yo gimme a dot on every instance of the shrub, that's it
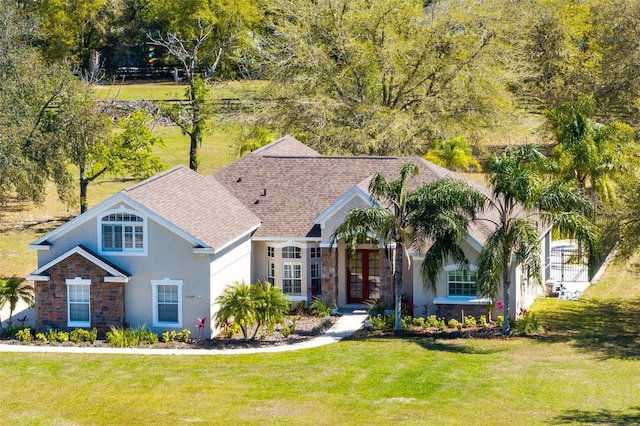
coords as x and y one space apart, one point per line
41 338
319 308
528 324
24 335
374 307
259 304
469 321
454 323
483 322
500 321
130 338
62 336
432 321
81 335
419 322
183 336
381 322
168 336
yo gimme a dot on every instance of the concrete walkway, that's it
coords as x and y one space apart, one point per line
345 326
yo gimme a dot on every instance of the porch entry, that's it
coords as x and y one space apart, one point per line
363 276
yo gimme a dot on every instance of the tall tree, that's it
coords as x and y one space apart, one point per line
594 155
14 290
28 154
437 213
381 77
525 202
95 147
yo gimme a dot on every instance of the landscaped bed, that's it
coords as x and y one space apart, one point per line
296 329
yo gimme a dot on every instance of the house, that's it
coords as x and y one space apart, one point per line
159 253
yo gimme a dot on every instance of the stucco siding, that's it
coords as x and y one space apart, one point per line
232 265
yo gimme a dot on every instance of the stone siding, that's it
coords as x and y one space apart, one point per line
457 311
329 273
106 299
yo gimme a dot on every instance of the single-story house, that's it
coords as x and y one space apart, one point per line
160 252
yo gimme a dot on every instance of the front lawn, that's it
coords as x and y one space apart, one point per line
583 372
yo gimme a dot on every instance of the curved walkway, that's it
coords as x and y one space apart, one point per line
345 326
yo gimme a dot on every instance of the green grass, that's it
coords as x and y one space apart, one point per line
170 90
583 372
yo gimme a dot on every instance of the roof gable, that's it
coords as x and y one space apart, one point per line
116 274
196 207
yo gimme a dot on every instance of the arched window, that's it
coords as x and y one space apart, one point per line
122 231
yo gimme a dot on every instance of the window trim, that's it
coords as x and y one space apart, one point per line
154 299
78 282
124 251
452 268
293 265
318 264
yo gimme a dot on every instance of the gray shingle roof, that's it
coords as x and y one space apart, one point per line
198 205
288 192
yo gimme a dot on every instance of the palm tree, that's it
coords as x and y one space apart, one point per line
236 305
13 290
270 304
454 154
592 154
524 202
436 213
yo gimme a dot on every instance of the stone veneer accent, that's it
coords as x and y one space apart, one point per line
106 299
330 278
456 311
329 273
387 297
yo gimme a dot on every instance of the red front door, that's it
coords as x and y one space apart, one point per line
363 276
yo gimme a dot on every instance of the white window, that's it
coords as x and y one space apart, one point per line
271 272
270 251
314 252
292 278
316 279
462 282
167 303
291 252
122 231
78 302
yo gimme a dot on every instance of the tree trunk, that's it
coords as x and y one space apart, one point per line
193 152
84 183
397 280
506 290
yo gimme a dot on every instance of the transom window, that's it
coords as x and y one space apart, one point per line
78 302
291 252
314 252
270 252
462 282
167 303
292 279
122 232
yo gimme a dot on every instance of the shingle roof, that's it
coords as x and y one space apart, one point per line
288 192
198 205
287 146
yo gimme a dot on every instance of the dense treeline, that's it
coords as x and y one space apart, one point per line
368 77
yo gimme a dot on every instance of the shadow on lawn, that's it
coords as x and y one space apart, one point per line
449 343
610 328
608 417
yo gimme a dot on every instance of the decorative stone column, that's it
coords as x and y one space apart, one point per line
329 275
386 281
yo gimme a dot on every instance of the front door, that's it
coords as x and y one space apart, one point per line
363 276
